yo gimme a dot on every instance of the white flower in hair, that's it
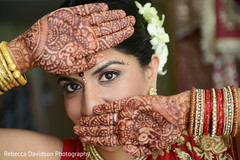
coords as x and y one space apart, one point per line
159 37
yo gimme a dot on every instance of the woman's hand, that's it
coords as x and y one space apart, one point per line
66 41
145 124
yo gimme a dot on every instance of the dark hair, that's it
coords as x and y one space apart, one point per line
138 44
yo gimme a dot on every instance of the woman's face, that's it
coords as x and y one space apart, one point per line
118 76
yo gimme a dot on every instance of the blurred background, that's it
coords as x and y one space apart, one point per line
204 52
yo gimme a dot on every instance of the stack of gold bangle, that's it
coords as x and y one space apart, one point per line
10 76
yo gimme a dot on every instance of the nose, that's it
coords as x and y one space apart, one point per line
91 98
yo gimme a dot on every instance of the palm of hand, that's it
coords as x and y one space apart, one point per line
143 130
66 41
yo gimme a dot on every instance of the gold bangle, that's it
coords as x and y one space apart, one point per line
4 78
10 76
202 112
17 75
231 111
3 86
198 114
214 112
225 111
6 53
11 65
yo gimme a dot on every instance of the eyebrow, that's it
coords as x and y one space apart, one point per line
62 78
107 65
66 79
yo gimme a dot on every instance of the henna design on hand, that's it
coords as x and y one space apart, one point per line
101 131
108 141
66 41
146 124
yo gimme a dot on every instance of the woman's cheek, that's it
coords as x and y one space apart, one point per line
73 109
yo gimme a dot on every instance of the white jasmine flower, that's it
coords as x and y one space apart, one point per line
159 37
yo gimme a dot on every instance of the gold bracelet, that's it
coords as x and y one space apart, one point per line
4 88
10 77
4 78
214 112
202 112
225 126
231 110
198 114
11 65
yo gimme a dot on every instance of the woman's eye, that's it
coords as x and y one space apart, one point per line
108 76
71 87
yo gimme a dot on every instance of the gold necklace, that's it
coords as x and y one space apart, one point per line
94 155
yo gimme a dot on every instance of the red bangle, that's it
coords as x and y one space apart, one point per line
208 111
220 112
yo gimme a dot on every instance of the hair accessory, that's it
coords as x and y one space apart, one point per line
159 37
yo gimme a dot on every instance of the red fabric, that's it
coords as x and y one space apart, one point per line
73 150
75 146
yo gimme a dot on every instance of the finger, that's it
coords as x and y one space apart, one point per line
136 151
110 141
113 26
87 9
99 131
111 107
105 16
103 119
114 39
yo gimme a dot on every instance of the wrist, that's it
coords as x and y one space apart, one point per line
21 55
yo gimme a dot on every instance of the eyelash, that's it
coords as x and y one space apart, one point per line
66 85
114 75
65 88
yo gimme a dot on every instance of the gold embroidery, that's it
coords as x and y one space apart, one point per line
224 157
200 153
209 146
182 155
205 149
169 149
216 144
181 140
159 153
189 146
185 132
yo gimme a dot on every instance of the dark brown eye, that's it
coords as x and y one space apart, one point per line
108 76
72 87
